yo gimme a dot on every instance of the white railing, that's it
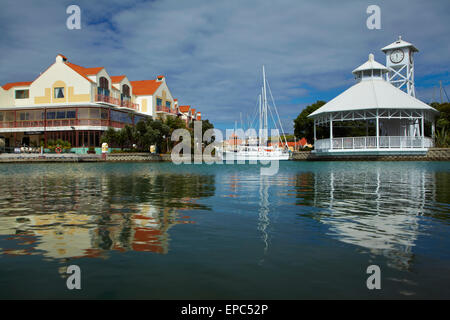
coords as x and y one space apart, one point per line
385 142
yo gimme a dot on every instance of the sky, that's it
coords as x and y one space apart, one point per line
212 51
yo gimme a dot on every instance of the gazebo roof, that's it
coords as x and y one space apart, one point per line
372 94
371 64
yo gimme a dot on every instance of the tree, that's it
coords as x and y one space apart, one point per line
442 124
109 136
304 126
206 125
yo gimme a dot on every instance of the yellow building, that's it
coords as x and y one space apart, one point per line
77 104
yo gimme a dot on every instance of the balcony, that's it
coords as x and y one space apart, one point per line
129 104
166 110
116 102
364 144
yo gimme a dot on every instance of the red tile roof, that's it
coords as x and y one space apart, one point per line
83 71
16 84
145 87
302 142
117 79
184 108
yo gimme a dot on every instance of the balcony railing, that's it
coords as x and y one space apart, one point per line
166 110
56 123
129 104
370 143
117 102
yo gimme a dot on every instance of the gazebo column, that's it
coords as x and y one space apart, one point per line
331 131
315 131
378 131
433 130
422 130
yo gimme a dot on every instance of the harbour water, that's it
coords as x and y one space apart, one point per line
162 231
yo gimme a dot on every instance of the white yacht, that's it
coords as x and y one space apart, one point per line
256 147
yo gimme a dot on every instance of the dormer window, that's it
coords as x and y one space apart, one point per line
59 93
103 86
126 90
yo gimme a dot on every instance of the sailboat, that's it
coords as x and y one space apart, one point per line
256 147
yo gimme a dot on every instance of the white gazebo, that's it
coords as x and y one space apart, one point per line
399 119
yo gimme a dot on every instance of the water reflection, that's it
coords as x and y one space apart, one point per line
66 215
378 209
263 213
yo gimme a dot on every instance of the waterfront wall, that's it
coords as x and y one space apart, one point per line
433 154
73 157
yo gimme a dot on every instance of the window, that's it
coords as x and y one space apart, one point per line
168 104
22 94
23 116
1 116
51 115
120 117
83 113
138 118
104 86
126 90
60 115
71 114
158 102
59 92
104 114
9 116
94 113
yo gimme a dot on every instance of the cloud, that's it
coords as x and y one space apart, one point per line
212 51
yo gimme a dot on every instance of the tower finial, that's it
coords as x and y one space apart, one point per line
371 57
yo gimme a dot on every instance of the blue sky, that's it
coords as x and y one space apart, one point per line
212 51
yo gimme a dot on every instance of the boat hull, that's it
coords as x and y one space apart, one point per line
241 156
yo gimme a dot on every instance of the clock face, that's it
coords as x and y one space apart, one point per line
397 56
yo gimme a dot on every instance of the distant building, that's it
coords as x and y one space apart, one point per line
189 114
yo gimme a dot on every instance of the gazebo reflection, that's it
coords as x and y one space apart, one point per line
378 210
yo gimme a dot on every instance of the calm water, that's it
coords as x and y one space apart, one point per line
156 230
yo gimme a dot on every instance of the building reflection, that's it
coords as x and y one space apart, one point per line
70 216
378 209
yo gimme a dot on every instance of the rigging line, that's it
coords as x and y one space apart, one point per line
255 113
273 100
445 93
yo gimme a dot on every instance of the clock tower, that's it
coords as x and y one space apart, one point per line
400 63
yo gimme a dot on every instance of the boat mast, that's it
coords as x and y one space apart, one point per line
264 107
260 120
